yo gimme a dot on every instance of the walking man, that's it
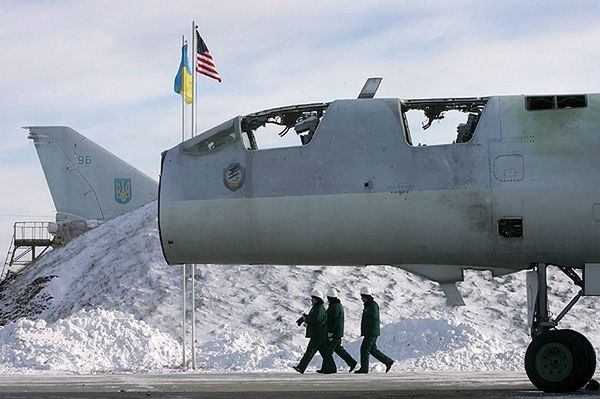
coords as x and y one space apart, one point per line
335 328
369 329
316 330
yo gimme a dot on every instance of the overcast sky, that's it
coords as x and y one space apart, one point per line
106 68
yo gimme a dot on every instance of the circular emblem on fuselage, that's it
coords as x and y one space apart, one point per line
234 176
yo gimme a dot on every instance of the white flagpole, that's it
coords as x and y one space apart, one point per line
193 316
193 127
183 296
183 326
182 100
194 80
183 274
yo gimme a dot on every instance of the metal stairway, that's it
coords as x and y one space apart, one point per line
30 241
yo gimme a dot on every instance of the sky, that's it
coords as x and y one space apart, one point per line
106 68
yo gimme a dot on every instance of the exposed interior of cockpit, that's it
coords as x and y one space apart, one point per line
282 127
441 121
426 122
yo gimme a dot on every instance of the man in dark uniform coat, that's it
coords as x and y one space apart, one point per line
316 330
369 329
335 328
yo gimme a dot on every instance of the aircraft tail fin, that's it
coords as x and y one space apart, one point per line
88 183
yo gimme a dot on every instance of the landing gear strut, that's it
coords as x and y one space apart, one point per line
557 360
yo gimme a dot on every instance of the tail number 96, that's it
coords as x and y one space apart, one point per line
84 159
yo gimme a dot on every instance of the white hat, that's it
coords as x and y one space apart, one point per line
332 293
317 293
365 291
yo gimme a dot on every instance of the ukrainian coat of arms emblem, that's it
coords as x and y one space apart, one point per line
122 190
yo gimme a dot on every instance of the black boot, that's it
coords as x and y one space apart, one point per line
388 366
352 366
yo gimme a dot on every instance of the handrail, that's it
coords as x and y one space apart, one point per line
31 231
27 236
7 260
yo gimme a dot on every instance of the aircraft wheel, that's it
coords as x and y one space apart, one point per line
589 351
560 361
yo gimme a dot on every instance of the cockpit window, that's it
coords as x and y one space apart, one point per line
216 141
270 128
220 138
537 103
571 101
451 121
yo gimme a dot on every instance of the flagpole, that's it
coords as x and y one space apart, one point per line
183 274
193 316
193 133
183 102
183 326
194 81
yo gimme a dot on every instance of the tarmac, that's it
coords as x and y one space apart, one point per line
275 385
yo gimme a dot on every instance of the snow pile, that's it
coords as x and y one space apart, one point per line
87 342
244 352
439 345
108 302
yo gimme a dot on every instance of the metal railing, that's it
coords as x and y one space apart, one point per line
27 236
8 259
31 231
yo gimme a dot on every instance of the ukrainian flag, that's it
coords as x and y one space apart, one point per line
183 80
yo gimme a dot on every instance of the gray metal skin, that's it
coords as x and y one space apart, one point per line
360 194
81 177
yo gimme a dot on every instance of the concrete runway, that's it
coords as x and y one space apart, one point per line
274 385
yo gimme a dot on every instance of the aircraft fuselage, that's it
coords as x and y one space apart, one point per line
525 188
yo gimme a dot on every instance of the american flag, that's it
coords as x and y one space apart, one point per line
204 61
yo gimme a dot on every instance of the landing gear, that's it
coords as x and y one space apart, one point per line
560 361
557 360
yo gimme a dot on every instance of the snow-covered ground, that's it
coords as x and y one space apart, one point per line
107 302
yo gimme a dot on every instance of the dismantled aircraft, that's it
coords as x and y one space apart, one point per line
516 189
88 184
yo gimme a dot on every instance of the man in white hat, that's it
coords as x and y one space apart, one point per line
316 330
335 328
370 330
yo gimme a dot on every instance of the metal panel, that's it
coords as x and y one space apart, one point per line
591 279
509 167
532 292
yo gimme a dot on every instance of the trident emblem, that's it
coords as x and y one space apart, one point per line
122 190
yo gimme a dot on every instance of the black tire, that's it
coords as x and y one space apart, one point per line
559 361
589 351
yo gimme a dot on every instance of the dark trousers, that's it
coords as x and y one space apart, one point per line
318 344
369 347
336 346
